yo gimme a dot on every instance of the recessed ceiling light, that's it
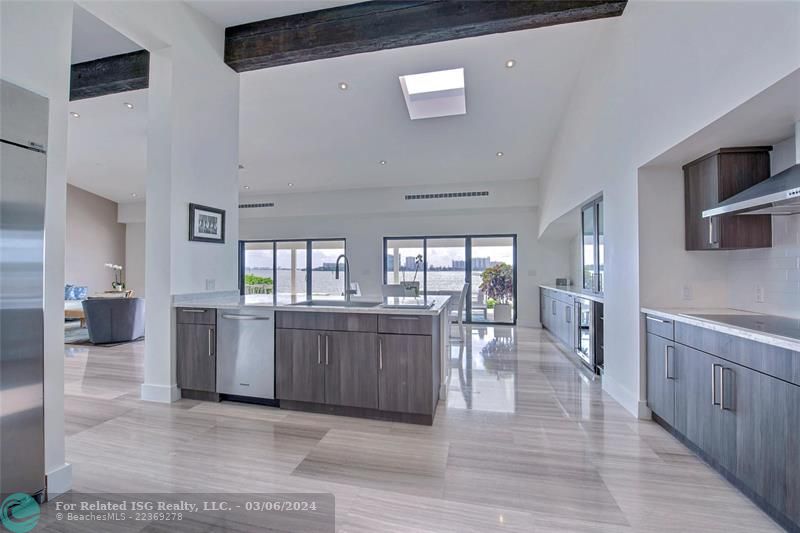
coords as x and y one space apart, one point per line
246 186
342 86
128 105
290 184
383 162
499 154
74 114
510 63
133 195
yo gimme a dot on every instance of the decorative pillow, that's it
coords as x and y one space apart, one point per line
79 293
68 291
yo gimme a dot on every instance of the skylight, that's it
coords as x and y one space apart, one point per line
434 94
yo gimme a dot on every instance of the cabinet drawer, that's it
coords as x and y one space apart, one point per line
326 321
406 324
196 315
663 327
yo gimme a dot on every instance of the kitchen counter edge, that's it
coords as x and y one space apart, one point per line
744 333
439 307
579 293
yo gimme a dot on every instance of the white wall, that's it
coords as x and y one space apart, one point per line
664 70
192 157
93 238
776 270
35 47
537 262
134 257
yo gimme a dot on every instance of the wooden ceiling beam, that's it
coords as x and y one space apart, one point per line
381 25
109 75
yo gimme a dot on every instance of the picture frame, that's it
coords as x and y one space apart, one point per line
206 224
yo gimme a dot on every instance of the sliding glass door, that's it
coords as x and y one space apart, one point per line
291 271
442 265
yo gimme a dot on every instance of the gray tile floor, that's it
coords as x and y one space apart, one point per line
527 441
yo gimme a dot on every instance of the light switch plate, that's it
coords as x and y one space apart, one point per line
211 284
759 294
687 292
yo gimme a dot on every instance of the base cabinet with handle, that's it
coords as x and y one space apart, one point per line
196 350
372 366
742 421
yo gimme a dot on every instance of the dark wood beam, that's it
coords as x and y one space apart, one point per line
381 25
109 75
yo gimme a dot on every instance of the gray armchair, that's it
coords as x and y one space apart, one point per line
114 319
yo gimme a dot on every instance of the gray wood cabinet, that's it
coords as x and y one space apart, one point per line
299 365
744 421
661 377
351 369
391 370
196 354
404 374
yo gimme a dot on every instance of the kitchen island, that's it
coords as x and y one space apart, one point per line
370 359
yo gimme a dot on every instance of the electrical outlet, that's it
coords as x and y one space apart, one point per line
211 284
687 292
759 294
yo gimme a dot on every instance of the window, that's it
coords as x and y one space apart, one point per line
290 271
593 246
441 265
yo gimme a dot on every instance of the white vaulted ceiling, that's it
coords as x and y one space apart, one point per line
297 126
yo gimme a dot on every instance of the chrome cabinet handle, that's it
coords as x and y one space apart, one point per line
326 349
659 320
245 317
193 310
319 349
711 240
402 317
568 313
210 334
714 383
666 362
722 389
380 353
553 305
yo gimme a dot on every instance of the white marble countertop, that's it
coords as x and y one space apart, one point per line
575 291
232 300
685 315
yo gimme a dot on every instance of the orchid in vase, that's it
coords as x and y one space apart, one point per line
117 284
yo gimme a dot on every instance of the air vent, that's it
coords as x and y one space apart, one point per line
253 206
438 195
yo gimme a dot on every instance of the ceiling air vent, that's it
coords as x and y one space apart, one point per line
253 206
438 195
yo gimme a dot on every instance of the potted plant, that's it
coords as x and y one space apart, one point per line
118 285
497 282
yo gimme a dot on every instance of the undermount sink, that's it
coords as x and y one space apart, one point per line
335 303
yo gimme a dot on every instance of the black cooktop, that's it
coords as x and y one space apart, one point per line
775 325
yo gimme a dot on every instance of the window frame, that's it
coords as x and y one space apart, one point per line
467 268
594 205
309 248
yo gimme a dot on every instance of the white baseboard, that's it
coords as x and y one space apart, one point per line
644 412
59 480
160 393
625 397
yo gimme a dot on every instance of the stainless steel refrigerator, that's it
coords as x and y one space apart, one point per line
23 165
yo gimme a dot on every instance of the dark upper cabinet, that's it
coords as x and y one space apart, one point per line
716 177
196 357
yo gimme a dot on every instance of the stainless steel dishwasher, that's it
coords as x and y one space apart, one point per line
246 352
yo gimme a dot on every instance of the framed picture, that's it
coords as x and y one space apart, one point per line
206 224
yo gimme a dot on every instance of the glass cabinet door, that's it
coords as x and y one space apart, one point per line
589 247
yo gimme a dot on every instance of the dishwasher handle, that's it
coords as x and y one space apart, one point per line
245 317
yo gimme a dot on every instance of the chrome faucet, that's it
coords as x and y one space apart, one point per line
347 289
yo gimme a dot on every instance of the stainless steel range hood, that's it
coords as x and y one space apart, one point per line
777 195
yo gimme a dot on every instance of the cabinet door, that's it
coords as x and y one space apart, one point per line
299 365
701 193
661 377
767 437
699 389
351 369
196 357
404 374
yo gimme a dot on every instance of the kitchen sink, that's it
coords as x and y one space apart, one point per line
335 303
